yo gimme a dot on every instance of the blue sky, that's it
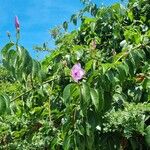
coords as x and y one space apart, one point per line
36 18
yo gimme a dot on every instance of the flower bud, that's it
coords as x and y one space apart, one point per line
17 25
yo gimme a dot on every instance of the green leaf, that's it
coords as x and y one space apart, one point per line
95 98
7 101
107 101
107 66
2 105
121 72
85 92
74 19
68 91
130 15
146 83
88 65
6 49
131 67
42 75
65 25
25 57
147 136
35 68
9 60
66 142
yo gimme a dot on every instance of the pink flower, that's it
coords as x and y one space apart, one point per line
17 25
77 72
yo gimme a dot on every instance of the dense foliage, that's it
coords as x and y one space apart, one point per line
43 107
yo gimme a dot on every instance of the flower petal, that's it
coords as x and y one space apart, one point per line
77 72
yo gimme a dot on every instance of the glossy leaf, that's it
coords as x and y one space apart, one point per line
85 92
95 98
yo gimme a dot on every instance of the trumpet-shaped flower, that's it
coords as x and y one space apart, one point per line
77 72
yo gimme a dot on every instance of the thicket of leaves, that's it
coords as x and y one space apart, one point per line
109 109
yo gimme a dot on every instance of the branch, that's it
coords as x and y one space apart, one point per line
22 94
126 53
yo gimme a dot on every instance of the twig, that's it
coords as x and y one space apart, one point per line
21 95
126 53
31 90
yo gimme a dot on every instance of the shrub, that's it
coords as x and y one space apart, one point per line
107 108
